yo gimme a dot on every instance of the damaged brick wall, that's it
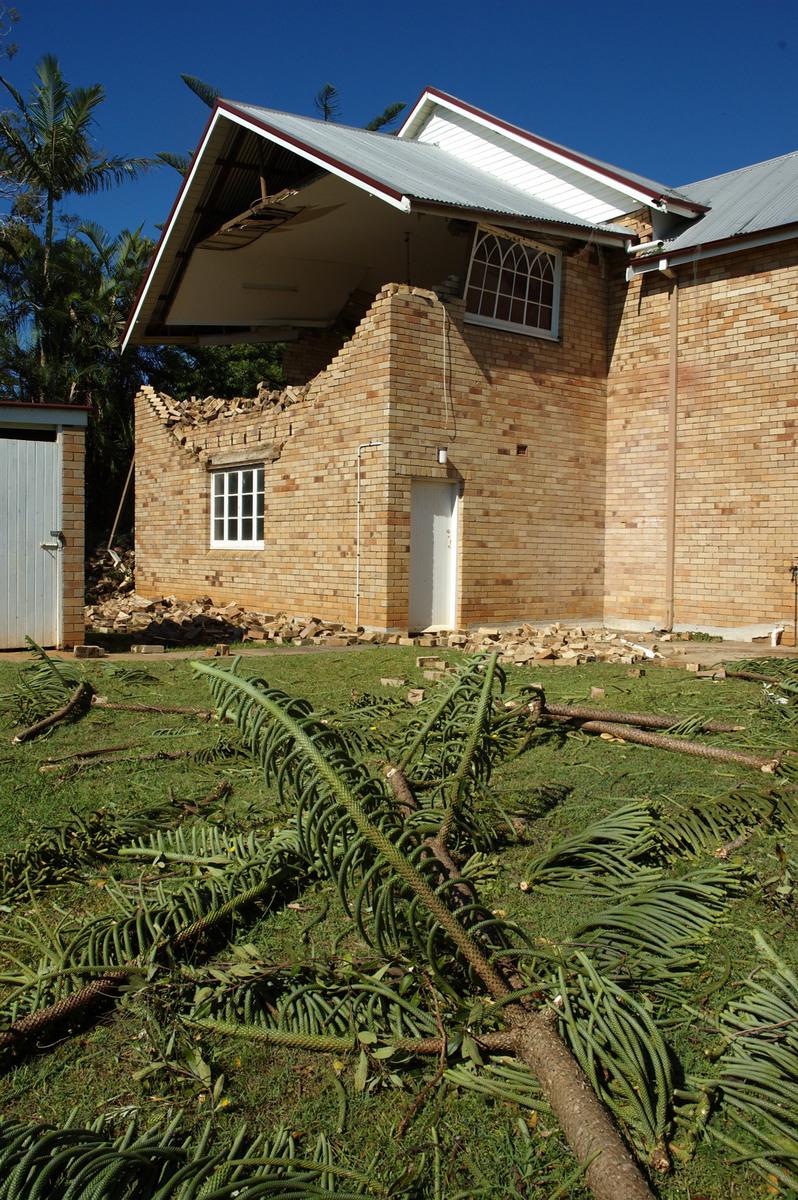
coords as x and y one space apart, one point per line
523 422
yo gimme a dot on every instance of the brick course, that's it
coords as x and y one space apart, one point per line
736 430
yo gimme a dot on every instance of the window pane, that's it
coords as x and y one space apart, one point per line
237 506
512 283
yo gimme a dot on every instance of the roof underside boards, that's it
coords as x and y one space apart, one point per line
752 199
325 169
518 155
303 272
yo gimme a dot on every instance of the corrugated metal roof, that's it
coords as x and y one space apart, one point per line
616 174
418 171
743 202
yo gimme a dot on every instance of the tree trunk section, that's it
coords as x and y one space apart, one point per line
585 1123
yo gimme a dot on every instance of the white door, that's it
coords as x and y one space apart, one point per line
30 549
433 554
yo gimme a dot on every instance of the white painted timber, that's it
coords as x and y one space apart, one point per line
433 554
30 550
526 168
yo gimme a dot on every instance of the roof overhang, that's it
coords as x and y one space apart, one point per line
662 258
269 234
637 189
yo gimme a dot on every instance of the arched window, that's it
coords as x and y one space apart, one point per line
513 284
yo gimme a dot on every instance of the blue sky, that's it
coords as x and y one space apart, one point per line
676 92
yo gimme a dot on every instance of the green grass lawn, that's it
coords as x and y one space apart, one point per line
384 1114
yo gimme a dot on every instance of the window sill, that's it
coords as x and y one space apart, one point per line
508 327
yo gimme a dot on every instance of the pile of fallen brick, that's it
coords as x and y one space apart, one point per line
170 622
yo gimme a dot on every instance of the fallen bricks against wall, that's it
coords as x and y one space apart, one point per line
168 621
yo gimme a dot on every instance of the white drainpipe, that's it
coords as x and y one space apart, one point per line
363 446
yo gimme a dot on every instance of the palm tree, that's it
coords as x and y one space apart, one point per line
47 152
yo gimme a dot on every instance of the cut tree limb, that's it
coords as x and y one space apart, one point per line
78 697
643 737
578 712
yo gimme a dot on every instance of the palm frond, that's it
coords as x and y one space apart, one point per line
75 1163
603 857
759 1071
695 828
649 935
617 1043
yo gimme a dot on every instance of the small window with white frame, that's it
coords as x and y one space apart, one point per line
513 283
237 509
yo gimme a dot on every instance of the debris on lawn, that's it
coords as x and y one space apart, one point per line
166 620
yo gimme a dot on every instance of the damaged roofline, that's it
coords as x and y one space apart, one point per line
633 187
588 233
374 186
224 110
188 179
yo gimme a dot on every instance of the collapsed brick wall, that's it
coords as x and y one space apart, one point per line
310 437
523 420
736 494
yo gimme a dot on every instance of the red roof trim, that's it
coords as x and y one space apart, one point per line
36 407
570 155
755 235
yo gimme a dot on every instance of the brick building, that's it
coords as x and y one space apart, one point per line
523 383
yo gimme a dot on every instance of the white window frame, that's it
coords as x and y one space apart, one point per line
237 508
514 249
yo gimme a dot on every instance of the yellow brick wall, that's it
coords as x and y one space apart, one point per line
72 554
413 377
736 491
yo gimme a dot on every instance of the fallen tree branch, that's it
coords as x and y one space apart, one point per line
78 697
78 1005
578 712
643 737
78 763
91 753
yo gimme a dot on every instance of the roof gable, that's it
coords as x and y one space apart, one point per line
582 186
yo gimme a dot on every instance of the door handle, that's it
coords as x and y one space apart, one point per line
50 545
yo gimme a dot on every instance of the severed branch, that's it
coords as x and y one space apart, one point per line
104 702
643 737
78 697
578 712
610 1170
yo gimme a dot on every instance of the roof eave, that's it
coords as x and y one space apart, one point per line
588 233
633 187
713 249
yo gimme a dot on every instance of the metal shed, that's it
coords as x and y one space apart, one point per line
42 452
